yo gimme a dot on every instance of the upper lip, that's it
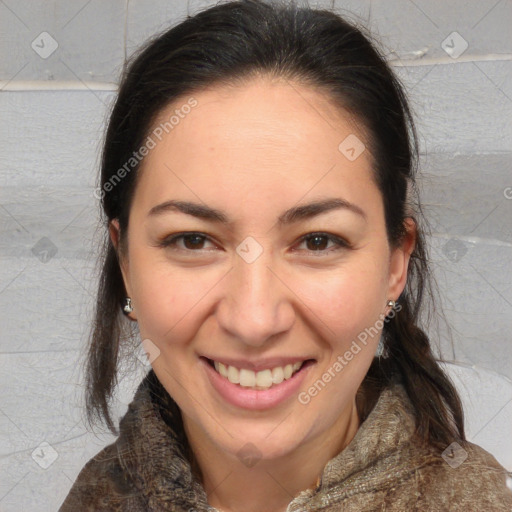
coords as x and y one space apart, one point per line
261 364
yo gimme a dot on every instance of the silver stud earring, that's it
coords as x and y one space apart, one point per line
127 308
391 303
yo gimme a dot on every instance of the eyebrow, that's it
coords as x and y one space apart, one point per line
295 214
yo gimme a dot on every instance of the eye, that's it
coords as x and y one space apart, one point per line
317 242
191 241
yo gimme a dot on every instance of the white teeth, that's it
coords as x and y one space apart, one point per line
233 375
264 379
221 368
259 380
247 378
277 375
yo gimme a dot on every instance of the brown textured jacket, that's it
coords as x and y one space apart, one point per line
382 469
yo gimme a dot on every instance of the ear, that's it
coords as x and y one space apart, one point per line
115 236
399 260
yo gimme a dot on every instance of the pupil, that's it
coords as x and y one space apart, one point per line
318 237
196 239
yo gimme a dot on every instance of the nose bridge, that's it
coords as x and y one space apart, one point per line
255 306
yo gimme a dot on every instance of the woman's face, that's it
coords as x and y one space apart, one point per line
248 289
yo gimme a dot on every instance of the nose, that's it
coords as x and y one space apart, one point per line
257 305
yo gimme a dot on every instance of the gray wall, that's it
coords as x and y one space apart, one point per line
59 65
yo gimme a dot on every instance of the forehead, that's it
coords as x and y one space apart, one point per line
254 141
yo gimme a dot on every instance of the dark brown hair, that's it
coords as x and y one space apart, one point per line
226 45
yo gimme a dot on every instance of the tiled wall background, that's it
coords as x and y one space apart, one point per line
59 64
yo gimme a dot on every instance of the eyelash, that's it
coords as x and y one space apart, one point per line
170 242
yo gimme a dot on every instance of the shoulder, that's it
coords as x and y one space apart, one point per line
102 484
463 477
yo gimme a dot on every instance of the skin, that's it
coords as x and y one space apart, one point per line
253 152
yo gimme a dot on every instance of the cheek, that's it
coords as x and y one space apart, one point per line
348 299
167 299
351 303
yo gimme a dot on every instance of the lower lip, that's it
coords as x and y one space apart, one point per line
254 399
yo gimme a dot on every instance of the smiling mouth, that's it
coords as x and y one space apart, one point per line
261 380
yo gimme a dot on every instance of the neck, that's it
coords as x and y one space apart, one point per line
271 483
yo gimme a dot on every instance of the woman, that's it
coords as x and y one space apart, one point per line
263 236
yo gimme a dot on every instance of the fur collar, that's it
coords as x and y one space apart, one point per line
154 451
384 467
